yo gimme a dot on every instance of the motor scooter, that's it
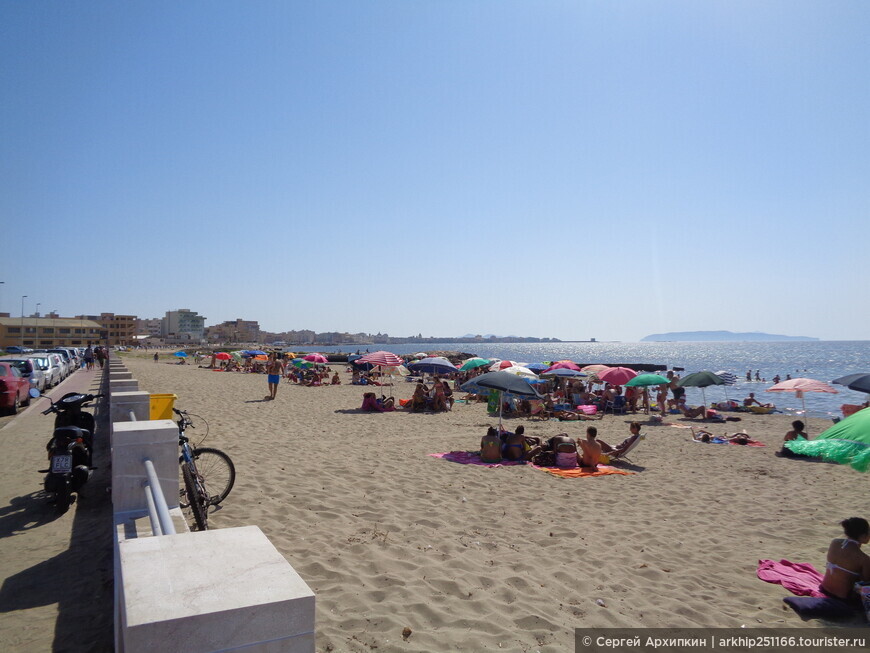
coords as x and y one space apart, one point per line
70 449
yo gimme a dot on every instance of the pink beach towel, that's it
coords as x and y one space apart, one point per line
472 458
797 577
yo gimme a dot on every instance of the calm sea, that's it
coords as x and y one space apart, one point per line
824 361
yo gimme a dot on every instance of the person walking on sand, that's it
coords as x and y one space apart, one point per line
274 369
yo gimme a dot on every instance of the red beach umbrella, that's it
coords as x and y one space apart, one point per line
382 358
315 358
617 375
564 365
222 356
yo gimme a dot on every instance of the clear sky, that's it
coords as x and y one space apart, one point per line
567 169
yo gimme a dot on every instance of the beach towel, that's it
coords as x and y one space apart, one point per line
472 458
750 443
812 607
602 470
797 577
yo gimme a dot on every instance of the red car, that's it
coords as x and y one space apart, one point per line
14 389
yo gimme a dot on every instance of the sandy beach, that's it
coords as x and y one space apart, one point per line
471 558
511 558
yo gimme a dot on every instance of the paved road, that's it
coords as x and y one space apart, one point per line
57 571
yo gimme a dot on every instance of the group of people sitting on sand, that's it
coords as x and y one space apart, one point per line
558 451
312 377
436 398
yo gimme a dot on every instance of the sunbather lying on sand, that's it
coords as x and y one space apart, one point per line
703 435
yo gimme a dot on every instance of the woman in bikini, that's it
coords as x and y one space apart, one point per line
846 562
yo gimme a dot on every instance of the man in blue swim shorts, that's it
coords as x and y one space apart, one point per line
275 369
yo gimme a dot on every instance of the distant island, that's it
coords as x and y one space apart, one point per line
719 336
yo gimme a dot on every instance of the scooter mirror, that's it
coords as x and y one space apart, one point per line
35 393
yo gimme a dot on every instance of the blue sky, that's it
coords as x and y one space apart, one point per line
566 169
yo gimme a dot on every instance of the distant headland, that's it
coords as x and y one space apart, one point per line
719 336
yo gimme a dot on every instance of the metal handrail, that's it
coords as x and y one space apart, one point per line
157 509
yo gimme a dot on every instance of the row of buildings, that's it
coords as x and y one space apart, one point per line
181 327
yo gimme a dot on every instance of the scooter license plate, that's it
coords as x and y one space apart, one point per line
61 464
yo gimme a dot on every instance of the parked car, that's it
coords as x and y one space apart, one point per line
14 388
50 366
68 364
30 370
14 349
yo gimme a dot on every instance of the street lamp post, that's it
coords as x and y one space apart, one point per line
38 304
23 297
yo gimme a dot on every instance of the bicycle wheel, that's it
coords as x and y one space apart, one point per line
195 498
216 472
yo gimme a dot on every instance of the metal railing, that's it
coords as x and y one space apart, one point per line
158 511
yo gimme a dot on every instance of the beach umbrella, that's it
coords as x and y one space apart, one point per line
353 357
846 442
519 370
537 367
701 380
564 372
567 365
254 352
859 382
301 363
643 380
500 365
801 386
594 369
381 358
316 358
421 354
729 378
433 365
180 354
504 383
617 375
474 363
222 356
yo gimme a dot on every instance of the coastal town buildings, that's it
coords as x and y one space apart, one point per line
120 329
182 326
237 330
49 331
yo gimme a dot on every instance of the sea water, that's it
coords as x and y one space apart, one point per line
821 360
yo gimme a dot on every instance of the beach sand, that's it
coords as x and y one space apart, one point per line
470 558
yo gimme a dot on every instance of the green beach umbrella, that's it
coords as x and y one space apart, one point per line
473 363
847 442
646 379
701 380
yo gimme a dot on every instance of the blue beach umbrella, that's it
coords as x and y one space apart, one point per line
537 367
565 372
181 354
433 365
504 382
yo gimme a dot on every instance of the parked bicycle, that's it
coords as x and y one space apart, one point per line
207 474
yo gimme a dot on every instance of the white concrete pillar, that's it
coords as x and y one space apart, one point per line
123 402
221 590
117 376
132 442
123 385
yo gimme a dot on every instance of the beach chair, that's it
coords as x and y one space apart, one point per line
618 405
538 410
621 452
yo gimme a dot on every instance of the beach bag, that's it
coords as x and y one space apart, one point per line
565 454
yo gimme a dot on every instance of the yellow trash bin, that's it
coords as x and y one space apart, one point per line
161 406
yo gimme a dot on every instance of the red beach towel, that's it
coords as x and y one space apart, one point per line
797 577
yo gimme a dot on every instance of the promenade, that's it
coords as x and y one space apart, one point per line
57 577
